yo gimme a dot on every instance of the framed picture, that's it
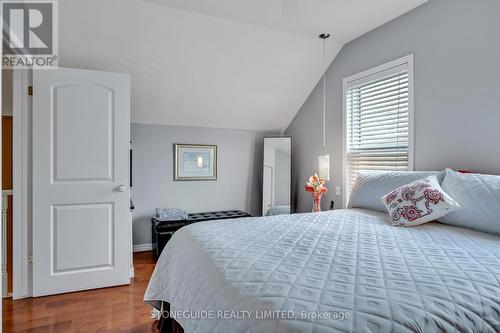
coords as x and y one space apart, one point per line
195 162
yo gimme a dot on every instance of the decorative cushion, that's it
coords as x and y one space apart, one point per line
371 186
479 197
419 202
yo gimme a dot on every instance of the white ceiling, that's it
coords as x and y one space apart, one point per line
345 19
243 64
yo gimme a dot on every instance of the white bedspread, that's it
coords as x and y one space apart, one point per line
430 278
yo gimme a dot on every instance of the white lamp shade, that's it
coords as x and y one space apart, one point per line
324 166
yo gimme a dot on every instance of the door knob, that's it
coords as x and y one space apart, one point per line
121 188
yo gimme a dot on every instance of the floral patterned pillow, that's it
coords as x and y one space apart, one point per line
419 202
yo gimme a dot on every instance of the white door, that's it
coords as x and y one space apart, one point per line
81 130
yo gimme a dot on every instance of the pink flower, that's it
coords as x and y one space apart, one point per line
316 185
408 193
321 189
314 178
411 213
390 198
433 196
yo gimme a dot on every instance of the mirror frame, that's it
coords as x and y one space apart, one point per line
292 208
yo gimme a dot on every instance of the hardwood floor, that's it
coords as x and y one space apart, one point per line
116 309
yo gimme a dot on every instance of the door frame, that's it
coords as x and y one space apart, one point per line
22 284
292 194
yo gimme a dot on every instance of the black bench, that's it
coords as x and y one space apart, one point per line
162 231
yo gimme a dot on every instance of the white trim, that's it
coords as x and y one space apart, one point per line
393 63
2 235
21 244
411 112
344 144
5 209
348 81
131 246
143 247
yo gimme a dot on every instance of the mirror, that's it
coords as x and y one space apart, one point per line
277 176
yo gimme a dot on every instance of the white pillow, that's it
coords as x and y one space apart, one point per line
479 197
419 202
371 186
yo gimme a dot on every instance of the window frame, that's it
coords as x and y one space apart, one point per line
347 83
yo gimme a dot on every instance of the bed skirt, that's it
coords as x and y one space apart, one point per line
167 324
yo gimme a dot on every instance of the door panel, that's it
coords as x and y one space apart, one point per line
74 226
83 123
81 231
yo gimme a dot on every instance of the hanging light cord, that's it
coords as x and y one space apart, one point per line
324 94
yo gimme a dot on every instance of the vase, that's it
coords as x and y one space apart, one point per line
316 202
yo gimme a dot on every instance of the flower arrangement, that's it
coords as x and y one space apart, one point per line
316 186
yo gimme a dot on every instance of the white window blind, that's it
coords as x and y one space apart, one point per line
378 122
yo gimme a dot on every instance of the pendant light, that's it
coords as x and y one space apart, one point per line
324 158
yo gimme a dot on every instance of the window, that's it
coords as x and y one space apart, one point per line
378 120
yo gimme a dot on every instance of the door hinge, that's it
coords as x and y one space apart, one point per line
30 90
30 259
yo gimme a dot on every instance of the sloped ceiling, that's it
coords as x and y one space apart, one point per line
242 64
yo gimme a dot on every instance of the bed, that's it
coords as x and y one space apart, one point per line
335 271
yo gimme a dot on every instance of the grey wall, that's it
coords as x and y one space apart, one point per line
238 185
456 44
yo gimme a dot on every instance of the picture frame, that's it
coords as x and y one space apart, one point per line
195 162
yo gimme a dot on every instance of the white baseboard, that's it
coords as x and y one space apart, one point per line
143 247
